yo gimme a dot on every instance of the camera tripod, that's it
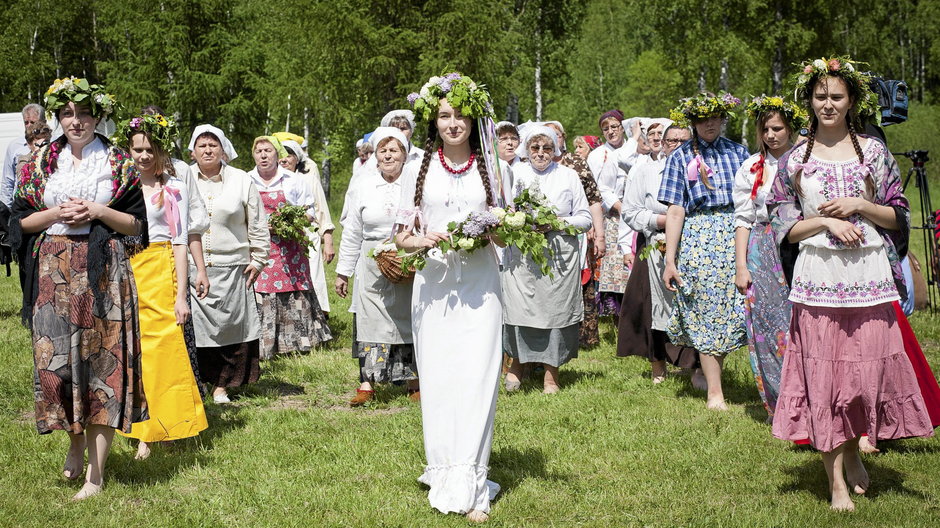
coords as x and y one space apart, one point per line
928 222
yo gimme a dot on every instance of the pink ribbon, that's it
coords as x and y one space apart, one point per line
698 164
808 168
408 218
171 198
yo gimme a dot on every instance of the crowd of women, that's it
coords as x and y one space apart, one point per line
695 247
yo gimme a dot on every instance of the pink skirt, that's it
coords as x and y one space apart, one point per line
845 374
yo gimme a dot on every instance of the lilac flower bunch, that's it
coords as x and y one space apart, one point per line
477 224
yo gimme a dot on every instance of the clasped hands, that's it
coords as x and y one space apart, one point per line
77 211
835 211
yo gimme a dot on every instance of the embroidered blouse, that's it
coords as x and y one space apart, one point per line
827 272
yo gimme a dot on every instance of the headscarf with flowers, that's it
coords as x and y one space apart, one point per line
79 91
126 197
866 103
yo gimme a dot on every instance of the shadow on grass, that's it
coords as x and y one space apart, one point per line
510 466
169 459
811 477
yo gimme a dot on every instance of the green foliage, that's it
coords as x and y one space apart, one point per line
290 222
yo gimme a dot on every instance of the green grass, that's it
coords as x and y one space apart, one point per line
609 450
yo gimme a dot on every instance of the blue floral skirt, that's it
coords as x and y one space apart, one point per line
708 313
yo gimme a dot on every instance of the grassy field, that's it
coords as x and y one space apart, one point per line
609 450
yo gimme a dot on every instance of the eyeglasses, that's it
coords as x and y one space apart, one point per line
609 128
673 141
508 140
535 149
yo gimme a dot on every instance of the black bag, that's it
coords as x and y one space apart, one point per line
893 100
6 252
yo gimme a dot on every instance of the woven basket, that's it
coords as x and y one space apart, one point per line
389 264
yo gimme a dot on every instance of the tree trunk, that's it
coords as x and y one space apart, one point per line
538 85
327 166
287 121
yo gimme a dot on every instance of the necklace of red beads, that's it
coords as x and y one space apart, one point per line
465 168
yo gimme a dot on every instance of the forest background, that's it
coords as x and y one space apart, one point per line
330 69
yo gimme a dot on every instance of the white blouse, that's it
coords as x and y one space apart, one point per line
198 221
373 205
561 186
604 162
296 191
640 206
90 180
157 225
747 212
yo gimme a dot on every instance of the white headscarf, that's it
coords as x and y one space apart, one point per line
226 144
530 130
389 132
407 114
294 148
358 143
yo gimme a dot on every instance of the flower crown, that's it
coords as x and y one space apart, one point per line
160 128
79 91
703 106
461 92
866 106
794 114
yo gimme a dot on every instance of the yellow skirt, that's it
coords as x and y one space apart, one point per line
173 398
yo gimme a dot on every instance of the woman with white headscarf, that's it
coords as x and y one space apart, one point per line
542 313
321 239
236 250
382 337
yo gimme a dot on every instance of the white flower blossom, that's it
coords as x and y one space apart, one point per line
820 64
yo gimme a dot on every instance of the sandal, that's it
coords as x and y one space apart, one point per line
362 397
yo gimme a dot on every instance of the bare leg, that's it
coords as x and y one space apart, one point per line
98 439
698 380
550 382
75 459
514 376
659 371
711 366
855 474
477 516
143 451
838 490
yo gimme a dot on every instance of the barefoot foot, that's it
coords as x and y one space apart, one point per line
87 490
841 501
477 516
716 404
143 451
864 445
856 476
75 459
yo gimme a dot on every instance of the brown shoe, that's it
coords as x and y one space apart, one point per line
362 397
414 395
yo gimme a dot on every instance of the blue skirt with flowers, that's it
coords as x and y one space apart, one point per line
708 313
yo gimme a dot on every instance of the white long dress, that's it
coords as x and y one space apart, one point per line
457 318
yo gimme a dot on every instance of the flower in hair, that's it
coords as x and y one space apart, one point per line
795 115
703 106
79 91
160 128
461 92
866 106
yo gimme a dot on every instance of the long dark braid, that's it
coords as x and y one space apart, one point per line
869 180
702 174
811 140
425 162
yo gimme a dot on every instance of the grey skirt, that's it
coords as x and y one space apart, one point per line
229 314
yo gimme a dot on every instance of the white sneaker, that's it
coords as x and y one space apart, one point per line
221 398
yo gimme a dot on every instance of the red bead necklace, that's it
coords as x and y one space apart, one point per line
440 154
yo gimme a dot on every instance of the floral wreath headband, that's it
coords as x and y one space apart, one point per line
793 114
461 92
79 91
866 106
160 128
703 106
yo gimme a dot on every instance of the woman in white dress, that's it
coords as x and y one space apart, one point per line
542 312
457 312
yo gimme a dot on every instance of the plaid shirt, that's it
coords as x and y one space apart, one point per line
723 156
